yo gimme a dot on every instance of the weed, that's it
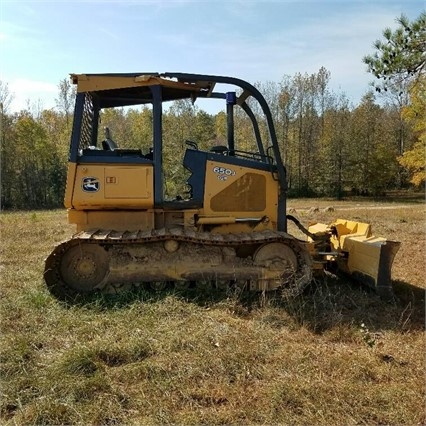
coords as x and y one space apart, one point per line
367 337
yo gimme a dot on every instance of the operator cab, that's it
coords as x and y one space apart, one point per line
99 94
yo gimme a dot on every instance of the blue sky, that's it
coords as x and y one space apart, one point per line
41 42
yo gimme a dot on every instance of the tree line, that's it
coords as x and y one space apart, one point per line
329 146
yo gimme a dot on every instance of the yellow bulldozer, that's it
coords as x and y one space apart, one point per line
229 229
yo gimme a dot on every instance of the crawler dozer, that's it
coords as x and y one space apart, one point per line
229 229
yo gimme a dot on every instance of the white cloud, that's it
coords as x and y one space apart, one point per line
337 41
25 91
250 39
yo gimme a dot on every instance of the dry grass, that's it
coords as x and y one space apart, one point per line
336 355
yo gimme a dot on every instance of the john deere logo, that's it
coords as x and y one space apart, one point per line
90 184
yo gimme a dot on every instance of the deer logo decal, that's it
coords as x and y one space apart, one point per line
90 184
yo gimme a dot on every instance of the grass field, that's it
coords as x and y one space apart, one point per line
337 355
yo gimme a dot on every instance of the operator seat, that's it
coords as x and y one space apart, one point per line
108 144
219 149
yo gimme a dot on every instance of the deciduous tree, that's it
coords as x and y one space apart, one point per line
415 159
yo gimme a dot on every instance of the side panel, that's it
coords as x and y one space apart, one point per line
120 220
106 186
240 191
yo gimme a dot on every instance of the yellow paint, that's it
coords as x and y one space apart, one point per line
240 192
119 186
356 239
69 188
91 83
215 220
239 227
120 220
347 229
364 254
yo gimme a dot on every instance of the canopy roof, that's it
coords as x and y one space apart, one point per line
114 90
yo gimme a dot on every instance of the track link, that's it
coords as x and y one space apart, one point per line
82 264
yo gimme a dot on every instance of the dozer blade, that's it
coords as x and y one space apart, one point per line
367 258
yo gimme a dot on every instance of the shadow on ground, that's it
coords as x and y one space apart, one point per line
331 303
325 304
